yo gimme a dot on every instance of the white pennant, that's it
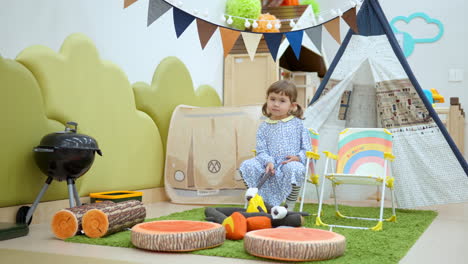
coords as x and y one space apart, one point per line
251 41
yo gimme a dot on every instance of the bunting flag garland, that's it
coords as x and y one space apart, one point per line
350 18
229 38
333 27
295 41
251 42
315 34
156 9
181 21
273 41
128 3
205 31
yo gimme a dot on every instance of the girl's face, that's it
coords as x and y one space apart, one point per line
279 106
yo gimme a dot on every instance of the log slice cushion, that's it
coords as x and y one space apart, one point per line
294 244
177 235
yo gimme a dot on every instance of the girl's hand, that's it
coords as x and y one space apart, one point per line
291 158
270 168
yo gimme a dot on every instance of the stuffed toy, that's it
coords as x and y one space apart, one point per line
238 222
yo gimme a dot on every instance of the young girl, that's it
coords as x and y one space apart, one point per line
282 141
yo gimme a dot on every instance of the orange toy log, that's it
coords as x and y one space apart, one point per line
114 218
67 222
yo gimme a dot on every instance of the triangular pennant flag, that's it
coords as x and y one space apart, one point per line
128 3
273 41
295 41
350 18
156 8
315 34
251 41
333 27
205 31
229 38
181 21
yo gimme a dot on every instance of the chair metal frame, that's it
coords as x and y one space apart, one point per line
310 173
381 179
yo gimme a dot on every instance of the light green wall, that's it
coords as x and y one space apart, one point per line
41 90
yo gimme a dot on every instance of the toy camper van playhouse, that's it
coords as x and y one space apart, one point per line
205 147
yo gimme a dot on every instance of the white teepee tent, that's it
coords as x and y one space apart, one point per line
370 84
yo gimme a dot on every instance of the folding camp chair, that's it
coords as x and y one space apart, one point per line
312 157
363 155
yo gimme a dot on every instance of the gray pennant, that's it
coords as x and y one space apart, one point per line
315 34
156 8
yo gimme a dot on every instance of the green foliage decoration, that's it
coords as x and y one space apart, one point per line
242 8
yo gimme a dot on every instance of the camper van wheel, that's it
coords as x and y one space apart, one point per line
21 215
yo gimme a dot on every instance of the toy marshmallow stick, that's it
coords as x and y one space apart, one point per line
265 177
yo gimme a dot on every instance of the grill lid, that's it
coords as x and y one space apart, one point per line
69 139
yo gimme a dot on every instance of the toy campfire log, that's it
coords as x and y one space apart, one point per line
113 218
67 222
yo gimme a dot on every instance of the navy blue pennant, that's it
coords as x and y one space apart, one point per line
273 41
181 21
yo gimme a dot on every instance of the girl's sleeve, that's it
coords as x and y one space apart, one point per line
305 144
262 152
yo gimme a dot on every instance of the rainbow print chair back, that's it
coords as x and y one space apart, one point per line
361 151
362 159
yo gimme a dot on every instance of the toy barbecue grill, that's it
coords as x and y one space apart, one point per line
62 156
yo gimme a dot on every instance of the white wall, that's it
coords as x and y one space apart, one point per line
120 35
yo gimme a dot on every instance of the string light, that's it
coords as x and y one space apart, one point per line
294 21
254 24
247 23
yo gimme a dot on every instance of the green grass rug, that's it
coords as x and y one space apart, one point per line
362 246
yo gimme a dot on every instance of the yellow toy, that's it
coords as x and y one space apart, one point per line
438 98
256 204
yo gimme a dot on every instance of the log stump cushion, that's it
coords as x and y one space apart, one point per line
294 244
68 222
177 235
113 218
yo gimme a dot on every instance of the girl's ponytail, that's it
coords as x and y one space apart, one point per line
298 112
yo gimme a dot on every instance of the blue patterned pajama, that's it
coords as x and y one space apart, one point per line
275 141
